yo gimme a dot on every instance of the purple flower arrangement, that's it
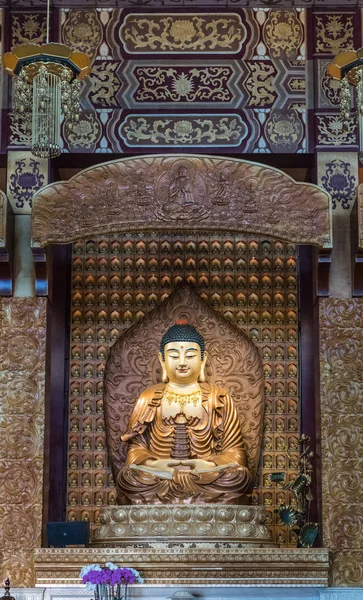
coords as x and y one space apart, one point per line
109 575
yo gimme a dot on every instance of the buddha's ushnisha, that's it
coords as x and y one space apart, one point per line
184 435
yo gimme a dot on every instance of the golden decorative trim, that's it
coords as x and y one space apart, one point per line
146 193
32 55
3 218
341 367
347 568
203 33
180 564
334 33
283 34
360 215
182 399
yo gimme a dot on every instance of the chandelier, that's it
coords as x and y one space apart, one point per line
347 67
47 86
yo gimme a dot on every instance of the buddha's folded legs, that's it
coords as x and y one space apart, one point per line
227 486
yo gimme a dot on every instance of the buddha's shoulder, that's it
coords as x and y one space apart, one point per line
154 391
214 390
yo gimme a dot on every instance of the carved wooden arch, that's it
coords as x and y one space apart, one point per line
181 192
233 362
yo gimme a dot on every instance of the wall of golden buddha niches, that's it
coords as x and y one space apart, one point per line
116 280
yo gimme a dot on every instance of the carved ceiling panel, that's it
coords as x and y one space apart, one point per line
182 3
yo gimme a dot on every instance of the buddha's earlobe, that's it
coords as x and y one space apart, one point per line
202 369
164 376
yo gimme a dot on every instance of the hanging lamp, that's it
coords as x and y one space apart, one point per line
47 86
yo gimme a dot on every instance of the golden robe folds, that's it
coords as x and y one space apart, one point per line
216 436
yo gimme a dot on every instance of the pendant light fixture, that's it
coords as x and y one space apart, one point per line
46 86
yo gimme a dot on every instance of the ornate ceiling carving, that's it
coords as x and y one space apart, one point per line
14 4
181 193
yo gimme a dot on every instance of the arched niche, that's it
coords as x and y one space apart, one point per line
233 363
181 192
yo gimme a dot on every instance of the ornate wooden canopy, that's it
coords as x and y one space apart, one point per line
181 192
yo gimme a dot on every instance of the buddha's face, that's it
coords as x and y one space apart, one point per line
183 362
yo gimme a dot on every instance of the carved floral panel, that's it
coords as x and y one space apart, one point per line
171 83
328 89
334 31
206 33
82 30
28 27
341 384
197 130
338 175
182 83
271 74
22 356
26 174
283 33
330 131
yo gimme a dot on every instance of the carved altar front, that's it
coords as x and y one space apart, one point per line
213 523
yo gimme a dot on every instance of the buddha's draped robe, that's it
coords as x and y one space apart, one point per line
216 436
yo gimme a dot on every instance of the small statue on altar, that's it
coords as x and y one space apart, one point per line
184 436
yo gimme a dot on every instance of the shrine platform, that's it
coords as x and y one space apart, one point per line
181 563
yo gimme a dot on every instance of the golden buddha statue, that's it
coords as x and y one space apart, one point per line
185 443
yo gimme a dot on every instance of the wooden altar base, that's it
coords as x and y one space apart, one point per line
192 563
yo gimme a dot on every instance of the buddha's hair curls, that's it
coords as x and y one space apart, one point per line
182 332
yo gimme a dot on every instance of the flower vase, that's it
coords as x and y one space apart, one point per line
110 592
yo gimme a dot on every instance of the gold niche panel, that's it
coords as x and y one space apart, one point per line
118 279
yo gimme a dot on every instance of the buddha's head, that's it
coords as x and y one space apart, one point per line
182 355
